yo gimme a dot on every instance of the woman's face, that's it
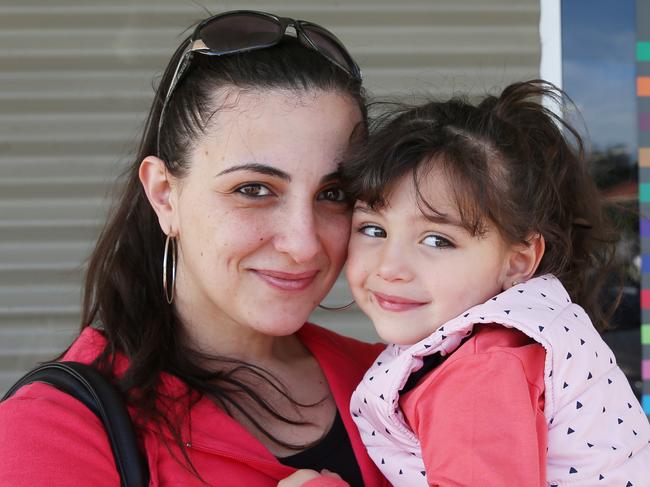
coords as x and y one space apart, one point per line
261 222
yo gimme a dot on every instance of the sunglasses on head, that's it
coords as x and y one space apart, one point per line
247 30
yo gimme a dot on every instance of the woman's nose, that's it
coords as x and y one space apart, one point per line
297 234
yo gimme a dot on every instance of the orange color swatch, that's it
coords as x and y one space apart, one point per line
643 86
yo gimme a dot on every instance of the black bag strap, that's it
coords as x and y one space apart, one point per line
87 385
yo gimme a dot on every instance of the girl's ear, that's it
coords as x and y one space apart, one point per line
524 260
157 185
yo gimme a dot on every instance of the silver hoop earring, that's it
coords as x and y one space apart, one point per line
169 290
334 308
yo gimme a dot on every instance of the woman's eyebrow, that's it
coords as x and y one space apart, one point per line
259 168
273 171
331 176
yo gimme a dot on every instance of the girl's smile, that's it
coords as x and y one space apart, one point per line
395 303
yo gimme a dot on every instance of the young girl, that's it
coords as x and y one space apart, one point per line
478 243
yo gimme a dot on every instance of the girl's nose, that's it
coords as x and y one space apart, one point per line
393 262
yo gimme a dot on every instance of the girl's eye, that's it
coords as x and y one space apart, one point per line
333 194
373 231
437 241
254 190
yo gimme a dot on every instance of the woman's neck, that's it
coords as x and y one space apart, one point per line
241 342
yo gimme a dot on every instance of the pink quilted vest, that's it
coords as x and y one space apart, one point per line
598 433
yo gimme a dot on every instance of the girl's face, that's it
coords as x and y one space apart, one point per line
409 274
261 221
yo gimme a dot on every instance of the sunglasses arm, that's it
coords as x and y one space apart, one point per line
181 66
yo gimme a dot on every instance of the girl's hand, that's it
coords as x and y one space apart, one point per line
309 477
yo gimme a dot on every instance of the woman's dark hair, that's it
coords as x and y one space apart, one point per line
510 161
123 291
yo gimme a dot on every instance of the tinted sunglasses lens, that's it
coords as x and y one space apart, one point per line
331 47
239 32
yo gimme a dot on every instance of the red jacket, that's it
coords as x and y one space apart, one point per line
49 438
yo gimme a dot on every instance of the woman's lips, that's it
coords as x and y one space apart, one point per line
287 281
396 303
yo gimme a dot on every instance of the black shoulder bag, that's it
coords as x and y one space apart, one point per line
100 396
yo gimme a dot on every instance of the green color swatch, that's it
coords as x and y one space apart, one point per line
643 51
644 192
645 334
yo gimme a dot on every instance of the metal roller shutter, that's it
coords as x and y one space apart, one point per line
75 81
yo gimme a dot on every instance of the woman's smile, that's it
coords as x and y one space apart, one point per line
287 281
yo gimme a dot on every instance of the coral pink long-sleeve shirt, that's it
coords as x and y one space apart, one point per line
479 415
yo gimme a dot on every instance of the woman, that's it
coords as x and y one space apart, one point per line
230 230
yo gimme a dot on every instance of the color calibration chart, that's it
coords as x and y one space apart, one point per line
643 109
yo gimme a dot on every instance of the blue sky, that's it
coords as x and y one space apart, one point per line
598 47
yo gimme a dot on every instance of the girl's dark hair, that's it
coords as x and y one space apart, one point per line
123 290
509 160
